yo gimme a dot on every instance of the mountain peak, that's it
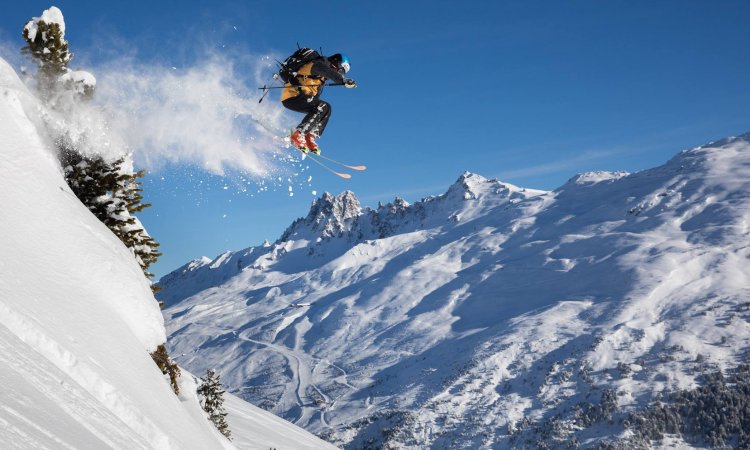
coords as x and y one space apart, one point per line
398 204
467 186
470 178
342 206
329 216
197 263
470 186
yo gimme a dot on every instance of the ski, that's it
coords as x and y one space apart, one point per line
342 164
275 133
321 164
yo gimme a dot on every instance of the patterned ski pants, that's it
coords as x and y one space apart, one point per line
317 111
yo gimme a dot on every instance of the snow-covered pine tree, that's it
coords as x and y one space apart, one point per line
45 37
127 227
113 196
92 180
212 400
110 190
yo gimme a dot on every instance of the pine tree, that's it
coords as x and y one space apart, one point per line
93 181
107 189
168 366
113 196
212 401
127 200
48 47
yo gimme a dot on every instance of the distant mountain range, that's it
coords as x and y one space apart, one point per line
491 316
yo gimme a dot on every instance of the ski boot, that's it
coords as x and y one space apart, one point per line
312 146
298 141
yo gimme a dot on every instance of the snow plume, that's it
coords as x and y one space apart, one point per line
203 115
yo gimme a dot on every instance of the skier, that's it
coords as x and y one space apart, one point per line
305 73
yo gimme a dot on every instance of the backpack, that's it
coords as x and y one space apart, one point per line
290 66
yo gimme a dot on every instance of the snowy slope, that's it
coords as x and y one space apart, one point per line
77 318
256 429
482 308
487 317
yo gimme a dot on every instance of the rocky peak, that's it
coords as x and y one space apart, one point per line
467 187
329 216
399 205
334 207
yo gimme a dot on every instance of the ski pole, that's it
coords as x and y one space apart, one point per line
266 88
264 93
302 85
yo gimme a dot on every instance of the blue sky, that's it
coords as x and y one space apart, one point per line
530 92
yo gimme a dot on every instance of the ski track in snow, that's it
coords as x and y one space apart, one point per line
305 368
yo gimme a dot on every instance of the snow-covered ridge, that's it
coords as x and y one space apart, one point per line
589 178
723 142
489 316
341 217
78 317
78 320
338 216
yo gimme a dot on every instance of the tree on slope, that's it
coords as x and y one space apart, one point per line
167 366
45 37
111 190
212 401
46 43
108 189
134 235
112 194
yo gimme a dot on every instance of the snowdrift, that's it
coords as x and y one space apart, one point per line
487 317
77 318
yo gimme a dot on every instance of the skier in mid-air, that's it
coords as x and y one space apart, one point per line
305 73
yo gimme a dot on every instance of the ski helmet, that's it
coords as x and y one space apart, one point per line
341 61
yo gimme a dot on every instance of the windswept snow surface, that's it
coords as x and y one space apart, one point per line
77 320
486 317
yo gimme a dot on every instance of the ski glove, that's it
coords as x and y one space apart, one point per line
348 82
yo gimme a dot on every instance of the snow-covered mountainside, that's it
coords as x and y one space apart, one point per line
487 317
78 319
